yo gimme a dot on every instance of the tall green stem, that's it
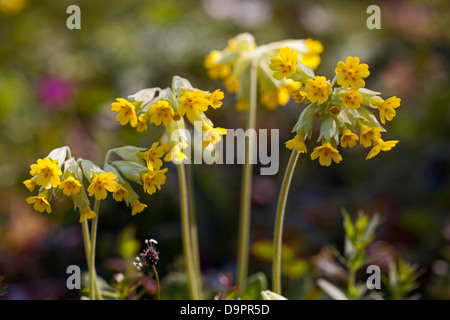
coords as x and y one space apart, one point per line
158 295
193 226
186 234
87 250
93 287
245 209
351 288
278 233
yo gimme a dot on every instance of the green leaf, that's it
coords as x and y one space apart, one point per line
128 153
130 170
348 225
306 119
329 129
89 168
256 283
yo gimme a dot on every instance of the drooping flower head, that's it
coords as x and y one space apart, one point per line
387 108
215 98
312 57
161 112
153 180
285 64
101 183
120 193
126 112
326 153
380 145
71 186
369 134
137 207
47 172
191 103
215 69
318 89
298 142
348 139
342 111
153 156
40 203
86 213
142 121
352 99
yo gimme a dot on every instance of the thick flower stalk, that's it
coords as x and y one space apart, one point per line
342 111
172 108
245 69
60 175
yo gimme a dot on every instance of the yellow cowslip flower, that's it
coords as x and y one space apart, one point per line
242 104
137 207
298 142
191 103
152 156
387 108
153 180
40 203
350 73
232 84
369 134
176 154
326 153
101 183
70 186
348 139
312 57
285 64
292 86
126 112
299 96
30 184
352 99
11 7
212 135
86 213
216 70
215 98
142 120
47 172
380 145
318 89
271 99
161 112
120 193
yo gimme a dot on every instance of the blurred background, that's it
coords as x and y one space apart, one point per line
57 85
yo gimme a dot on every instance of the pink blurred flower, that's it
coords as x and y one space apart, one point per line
55 92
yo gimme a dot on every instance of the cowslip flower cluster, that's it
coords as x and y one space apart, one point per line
232 66
343 109
169 107
60 175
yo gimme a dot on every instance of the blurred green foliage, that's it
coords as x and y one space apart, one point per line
56 87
